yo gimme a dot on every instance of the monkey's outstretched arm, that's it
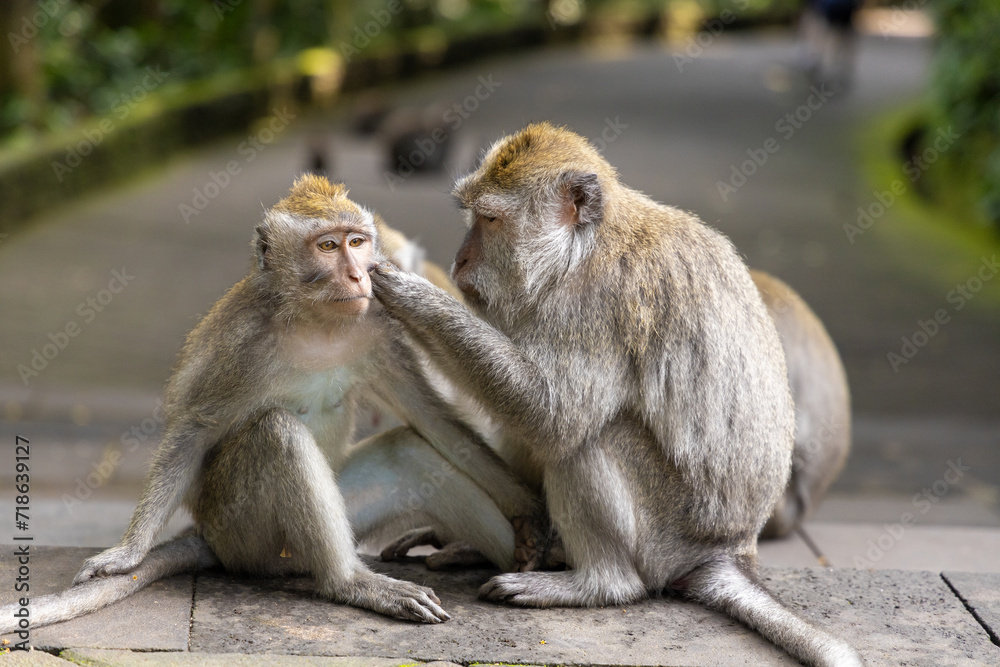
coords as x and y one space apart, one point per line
483 360
174 468
402 384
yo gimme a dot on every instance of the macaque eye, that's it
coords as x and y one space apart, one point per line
356 242
327 245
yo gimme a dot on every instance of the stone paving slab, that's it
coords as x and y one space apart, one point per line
156 618
32 659
110 658
893 545
981 594
892 617
233 615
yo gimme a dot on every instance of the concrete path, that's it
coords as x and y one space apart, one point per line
105 292
892 617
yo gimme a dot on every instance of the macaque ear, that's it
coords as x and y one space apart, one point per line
261 246
583 199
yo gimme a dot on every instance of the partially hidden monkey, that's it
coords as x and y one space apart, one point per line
633 372
258 415
822 404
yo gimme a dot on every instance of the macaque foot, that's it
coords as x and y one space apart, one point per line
417 537
454 555
558 589
527 589
391 597
116 560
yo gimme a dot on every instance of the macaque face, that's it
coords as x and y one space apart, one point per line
468 267
342 256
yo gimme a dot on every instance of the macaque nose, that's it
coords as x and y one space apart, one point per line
469 250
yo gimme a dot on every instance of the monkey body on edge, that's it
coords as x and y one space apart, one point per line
822 399
259 414
632 369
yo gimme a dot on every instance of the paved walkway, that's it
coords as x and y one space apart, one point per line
892 617
108 289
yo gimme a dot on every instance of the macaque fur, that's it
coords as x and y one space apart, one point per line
633 372
822 400
818 384
259 414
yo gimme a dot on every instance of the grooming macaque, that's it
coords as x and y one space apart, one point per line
822 420
632 369
259 414
822 404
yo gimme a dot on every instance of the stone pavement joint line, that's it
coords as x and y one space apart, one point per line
976 613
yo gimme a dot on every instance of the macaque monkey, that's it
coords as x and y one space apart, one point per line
822 417
259 413
632 370
822 404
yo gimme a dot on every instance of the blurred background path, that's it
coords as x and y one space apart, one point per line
116 280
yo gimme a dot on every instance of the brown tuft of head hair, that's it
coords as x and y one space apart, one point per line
313 196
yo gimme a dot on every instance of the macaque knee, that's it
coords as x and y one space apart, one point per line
281 434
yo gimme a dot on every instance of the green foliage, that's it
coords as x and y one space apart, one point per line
966 93
91 56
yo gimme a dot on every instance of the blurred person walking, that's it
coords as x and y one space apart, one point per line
827 41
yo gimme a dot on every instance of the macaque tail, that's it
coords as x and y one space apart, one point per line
187 553
729 586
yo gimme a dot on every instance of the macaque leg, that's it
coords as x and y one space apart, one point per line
592 508
396 481
285 514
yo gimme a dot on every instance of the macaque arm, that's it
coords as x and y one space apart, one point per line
174 468
483 360
403 386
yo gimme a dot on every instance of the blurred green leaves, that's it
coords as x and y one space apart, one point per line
66 60
966 94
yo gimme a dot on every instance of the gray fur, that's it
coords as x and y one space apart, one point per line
629 362
822 405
